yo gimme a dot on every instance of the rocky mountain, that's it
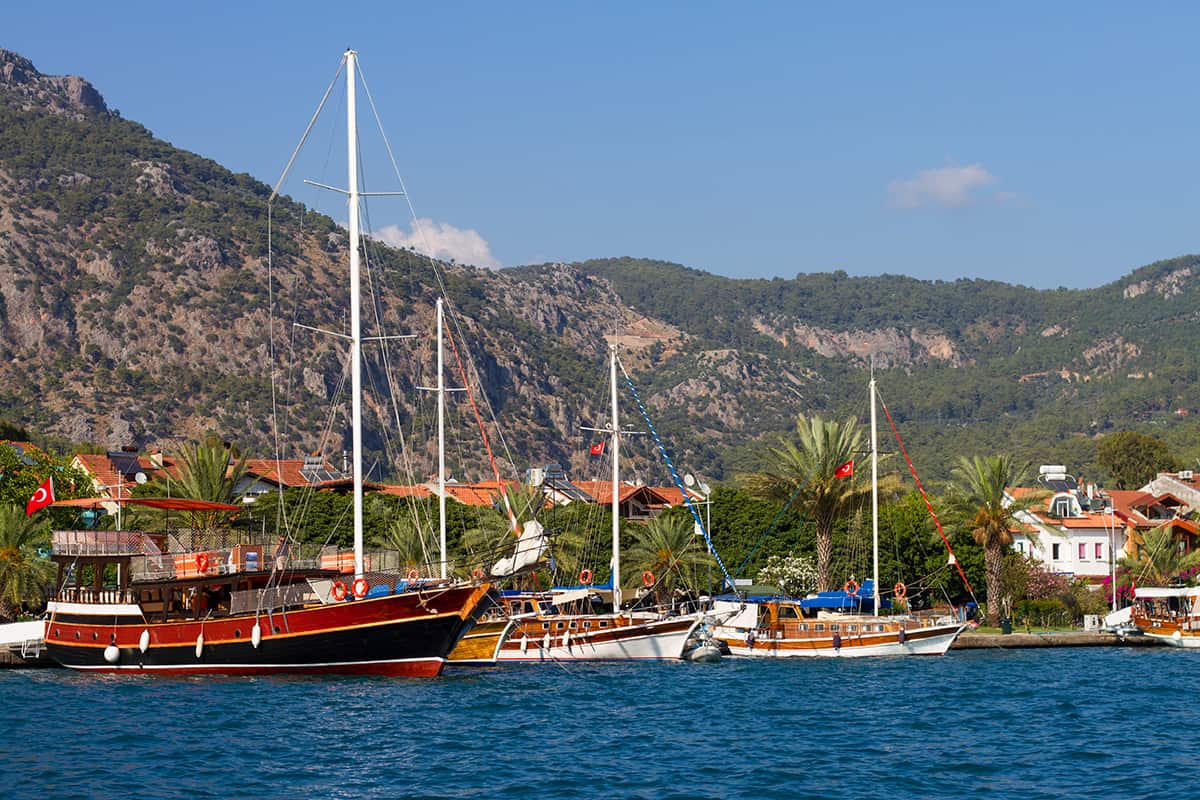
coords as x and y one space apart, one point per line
138 299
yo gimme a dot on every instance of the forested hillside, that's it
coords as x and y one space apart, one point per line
134 309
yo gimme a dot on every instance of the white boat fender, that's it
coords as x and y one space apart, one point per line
112 654
567 639
524 643
1177 636
256 635
199 645
546 642
144 640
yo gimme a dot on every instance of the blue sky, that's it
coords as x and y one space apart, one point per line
1044 144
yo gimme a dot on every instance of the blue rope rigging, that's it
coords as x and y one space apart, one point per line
678 483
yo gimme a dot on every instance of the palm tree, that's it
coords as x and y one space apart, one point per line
1160 559
23 573
211 471
808 468
667 548
977 498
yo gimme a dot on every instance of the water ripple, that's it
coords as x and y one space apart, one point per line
1061 724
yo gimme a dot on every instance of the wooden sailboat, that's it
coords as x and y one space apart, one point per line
564 627
210 608
828 626
1169 614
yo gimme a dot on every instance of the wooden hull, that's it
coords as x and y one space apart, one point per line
407 634
480 646
1183 632
836 636
596 637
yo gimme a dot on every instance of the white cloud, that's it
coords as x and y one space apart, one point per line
950 187
443 241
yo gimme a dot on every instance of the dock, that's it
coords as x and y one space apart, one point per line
972 640
21 645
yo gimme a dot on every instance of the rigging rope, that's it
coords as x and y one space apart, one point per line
512 518
770 528
925 497
675 477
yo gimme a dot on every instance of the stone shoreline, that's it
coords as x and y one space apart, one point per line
970 640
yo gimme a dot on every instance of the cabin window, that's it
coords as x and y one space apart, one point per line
587 625
820 626
528 607
1054 556
787 612
879 628
515 608
1099 550
851 627
560 625
1082 551
603 624
835 627
803 626
545 626
573 625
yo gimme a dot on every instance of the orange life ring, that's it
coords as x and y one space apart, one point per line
360 587
648 578
413 574
900 589
851 587
338 592
202 562
585 576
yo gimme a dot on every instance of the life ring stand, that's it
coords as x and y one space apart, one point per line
202 562
413 574
338 592
647 579
901 590
851 587
360 587
585 576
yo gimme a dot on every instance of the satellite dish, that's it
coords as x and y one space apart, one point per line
140 477
689 479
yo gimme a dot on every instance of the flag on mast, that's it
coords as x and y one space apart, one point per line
598 449
845 470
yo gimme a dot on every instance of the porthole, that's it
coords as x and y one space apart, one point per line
76 634
277 629
95 636
58 632
237 633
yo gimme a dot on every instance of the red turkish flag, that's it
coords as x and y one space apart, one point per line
42 497
845 470
598 449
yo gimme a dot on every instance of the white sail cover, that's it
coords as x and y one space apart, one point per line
530 546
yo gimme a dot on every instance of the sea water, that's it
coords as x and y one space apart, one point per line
1050 723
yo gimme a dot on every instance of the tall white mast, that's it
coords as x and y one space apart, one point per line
874 495
441 416
616 485
355 310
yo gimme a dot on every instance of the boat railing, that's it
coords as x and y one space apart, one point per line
104 543
86 594
273 598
